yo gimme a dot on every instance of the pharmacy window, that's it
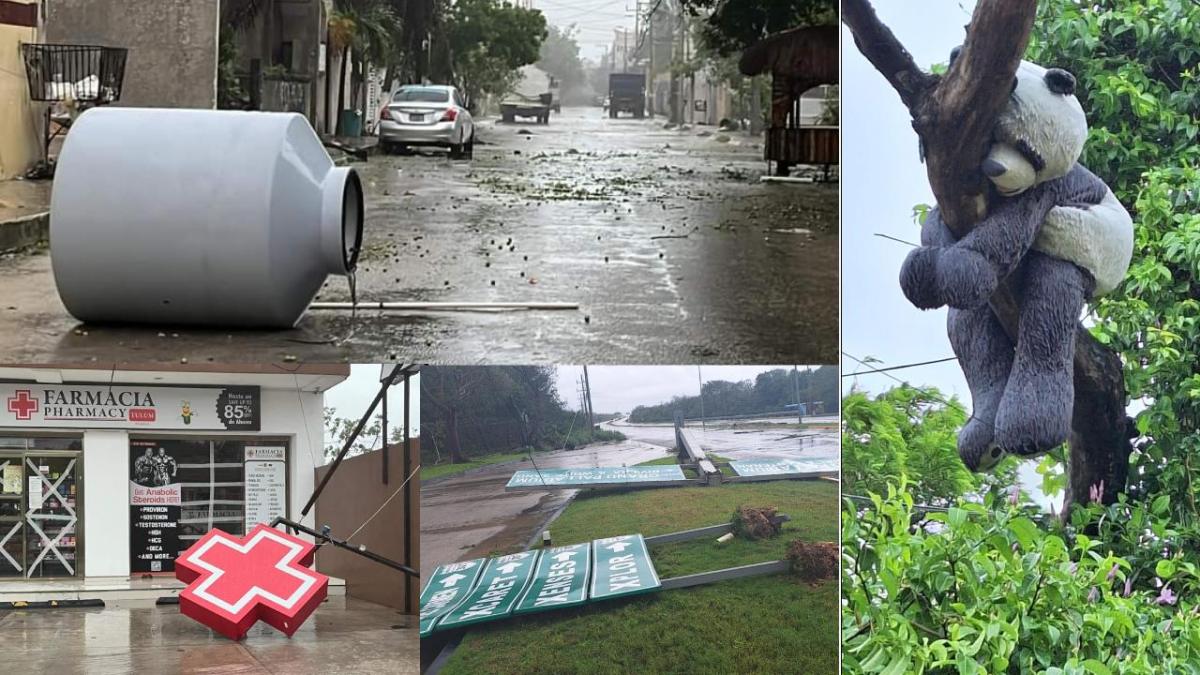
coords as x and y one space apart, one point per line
181 488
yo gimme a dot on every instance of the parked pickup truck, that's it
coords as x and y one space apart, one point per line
533 96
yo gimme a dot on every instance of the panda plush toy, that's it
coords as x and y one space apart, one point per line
1062 232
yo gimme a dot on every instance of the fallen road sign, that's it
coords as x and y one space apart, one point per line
665 474
560 580
621 566
233 581
448 586
779 468
496 593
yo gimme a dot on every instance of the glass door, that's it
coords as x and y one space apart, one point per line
51 514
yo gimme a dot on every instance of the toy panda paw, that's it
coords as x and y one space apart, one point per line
976 446
954 276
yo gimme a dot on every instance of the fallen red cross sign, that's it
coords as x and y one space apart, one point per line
235 581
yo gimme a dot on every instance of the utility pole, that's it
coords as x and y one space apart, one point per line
587 385
756 112
700 379
676 117
625 52
584 404
650 97
796 380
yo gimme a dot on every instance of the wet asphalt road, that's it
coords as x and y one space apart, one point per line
471 515
818 448
666 238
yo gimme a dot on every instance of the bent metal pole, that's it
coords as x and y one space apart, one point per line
199 217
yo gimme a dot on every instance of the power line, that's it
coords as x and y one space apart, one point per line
907 365
896 239
943 400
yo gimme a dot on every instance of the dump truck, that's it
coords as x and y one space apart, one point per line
627 93
533 96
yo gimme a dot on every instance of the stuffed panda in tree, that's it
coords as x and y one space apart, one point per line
1062 232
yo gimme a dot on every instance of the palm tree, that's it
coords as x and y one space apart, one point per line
365 30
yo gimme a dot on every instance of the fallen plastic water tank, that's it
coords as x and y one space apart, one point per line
199 217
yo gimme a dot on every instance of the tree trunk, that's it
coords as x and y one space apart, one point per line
954 116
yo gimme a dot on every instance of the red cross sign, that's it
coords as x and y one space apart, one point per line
23 405
235 581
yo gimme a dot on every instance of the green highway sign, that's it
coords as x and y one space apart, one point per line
621 566
497 592
774 467
596 476
449 585
560 580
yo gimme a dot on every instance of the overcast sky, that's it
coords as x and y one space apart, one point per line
882 179
595 19
352 397
623 388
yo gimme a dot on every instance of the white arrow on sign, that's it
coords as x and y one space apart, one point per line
618 547
508 568
452 580
565 556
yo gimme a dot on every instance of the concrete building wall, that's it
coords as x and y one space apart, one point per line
105 503
354 493
172 45
285 415
20 119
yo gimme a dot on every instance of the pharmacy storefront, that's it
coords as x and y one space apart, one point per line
113 473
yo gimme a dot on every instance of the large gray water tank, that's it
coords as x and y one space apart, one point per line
199 217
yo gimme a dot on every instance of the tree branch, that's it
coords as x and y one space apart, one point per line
884 51
954 117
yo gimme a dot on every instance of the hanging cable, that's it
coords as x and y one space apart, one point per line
940 399
891 368
386 501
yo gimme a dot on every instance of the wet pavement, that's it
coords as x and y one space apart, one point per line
344 635
23 198
673 249
817 447
470 515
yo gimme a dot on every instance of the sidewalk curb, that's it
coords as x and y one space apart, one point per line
24 232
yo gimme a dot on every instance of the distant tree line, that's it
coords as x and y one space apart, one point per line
772 391
471 411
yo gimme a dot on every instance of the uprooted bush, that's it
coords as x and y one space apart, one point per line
995 588
752 522
813 560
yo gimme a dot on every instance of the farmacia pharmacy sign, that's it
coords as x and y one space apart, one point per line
65 405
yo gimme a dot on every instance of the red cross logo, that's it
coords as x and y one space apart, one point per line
235 581
23 405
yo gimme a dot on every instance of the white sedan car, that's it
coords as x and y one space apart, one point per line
427 115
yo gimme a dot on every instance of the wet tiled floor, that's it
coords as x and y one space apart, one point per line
344 635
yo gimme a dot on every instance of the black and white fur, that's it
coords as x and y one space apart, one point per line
1056 227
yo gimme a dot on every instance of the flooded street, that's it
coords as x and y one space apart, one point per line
470 515
818 447
673 249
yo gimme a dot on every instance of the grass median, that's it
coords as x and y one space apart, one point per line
767 624
431 471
